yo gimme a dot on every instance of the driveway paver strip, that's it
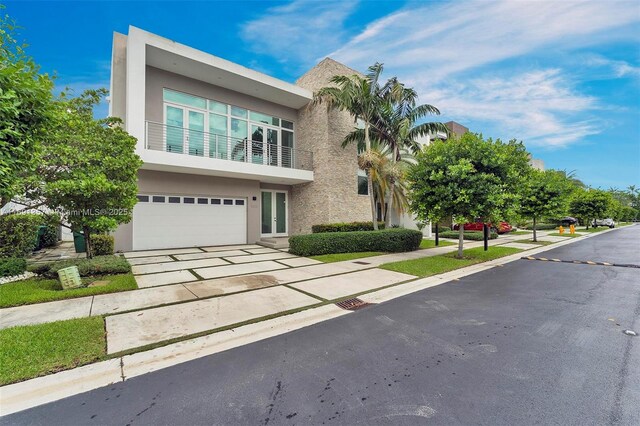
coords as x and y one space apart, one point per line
356 282
177 265
163 278
135 329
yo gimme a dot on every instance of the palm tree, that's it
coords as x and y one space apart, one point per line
387 176
363 98
395 126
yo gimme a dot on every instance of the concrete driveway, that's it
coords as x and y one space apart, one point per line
229 285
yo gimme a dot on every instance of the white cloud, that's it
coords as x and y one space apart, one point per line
536 106
300 31
615 68
460 57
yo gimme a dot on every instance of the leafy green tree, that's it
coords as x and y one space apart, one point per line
87 169
590 204
544 194
362 97
467 178
25 109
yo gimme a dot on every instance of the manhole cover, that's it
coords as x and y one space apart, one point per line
630 332
353 304
360 262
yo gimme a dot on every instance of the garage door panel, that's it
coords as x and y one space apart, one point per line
168 225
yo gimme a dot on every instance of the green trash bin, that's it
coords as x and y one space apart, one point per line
79 243
41 230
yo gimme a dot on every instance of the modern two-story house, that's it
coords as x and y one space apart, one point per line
231 155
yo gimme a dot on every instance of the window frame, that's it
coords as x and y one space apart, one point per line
229 116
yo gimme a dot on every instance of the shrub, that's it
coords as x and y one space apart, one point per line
99 265
49 237
345 227
102 244
389 240
542 226
18 234
441 229
468 235
10 266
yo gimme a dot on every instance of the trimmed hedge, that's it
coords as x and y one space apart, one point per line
99 265
345 227
18 234
542 226
102 244
388 240
441 229
10 266
468 235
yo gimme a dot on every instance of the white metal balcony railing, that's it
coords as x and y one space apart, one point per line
178 140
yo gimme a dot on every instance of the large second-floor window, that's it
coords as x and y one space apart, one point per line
202 127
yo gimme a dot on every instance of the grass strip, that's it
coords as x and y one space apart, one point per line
339 257
39 290
35 350
566 234
427 244
530 241
520 233
428 266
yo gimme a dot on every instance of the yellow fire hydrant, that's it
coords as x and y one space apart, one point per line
561 230
572 229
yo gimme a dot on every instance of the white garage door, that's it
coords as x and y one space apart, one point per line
164 221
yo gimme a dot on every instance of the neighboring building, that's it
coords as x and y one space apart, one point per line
536 163
456 129
231 155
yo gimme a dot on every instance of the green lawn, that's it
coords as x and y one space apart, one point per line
339 257
38 290
530 240
427 244
590 230
428 266
520 233
566 234
35 350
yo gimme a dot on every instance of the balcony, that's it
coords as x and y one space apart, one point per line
177 149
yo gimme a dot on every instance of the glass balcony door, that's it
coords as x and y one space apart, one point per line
265 146
185 130
274 214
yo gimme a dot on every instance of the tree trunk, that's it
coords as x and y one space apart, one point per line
372 197
87 242
535 236
387 218
460 241
392 189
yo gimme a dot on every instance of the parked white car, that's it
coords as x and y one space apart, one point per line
604 222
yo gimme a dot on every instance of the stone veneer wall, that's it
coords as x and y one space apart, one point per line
333 195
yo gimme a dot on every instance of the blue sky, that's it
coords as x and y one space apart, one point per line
562 76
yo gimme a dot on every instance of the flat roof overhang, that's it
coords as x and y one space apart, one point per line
184 60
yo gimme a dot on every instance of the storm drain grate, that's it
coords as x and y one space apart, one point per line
353 304
360 262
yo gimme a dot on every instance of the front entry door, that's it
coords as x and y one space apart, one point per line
274 214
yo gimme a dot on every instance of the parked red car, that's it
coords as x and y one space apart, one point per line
501 228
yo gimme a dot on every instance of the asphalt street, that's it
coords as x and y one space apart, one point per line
528 343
